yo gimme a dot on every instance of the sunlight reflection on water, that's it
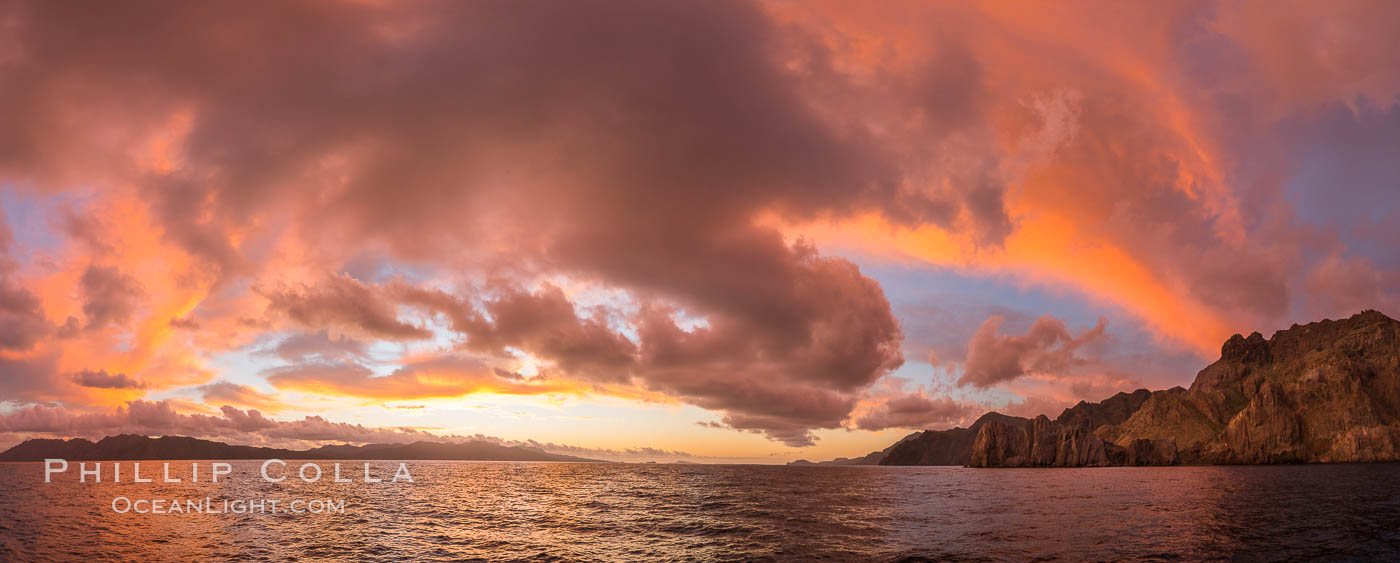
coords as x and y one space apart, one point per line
547 511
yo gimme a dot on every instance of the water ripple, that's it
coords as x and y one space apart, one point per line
608 512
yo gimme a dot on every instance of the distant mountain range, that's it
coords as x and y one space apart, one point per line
133 447
1322 392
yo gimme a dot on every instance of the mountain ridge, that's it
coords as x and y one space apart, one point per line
1322 392
132 447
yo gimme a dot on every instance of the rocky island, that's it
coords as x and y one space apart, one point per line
1324 392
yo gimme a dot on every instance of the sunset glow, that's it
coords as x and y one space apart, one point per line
731 231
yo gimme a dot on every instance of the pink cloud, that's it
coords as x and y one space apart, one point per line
1048 347
919 412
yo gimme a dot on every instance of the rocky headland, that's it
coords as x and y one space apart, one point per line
1324 392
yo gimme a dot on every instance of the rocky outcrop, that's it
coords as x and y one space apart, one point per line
1143 451
1322 392
943 447
1110 412
1045 443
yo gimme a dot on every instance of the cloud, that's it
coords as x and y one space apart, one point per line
188 324
30 378
783 389
917 411
1315 54
100 379
109 296
342 302
442 376
161 418
547 324
725 140
544 323
225 393
1048 347
792 361
1338 287
22 322
318 346
1181 169
250 427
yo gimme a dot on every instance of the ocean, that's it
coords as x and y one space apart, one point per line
501 511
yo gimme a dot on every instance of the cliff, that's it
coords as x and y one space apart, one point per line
943 447
1327 391
1111 412
1045 443
1323 392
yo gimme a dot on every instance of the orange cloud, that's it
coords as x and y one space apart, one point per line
446 376
1048 252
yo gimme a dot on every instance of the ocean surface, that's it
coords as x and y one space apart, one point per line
617 512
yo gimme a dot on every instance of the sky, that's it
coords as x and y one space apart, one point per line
715 231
